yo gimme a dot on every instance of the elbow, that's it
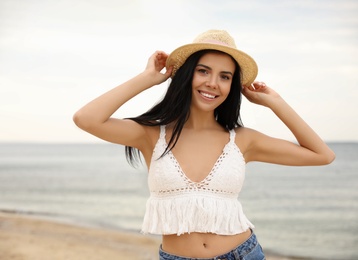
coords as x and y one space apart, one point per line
329 157
332 157
81 120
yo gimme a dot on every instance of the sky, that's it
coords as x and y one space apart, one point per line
55 56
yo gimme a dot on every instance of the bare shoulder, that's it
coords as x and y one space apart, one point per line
245 137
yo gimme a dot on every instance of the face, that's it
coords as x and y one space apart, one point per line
212 80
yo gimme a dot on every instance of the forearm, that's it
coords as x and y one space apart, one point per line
101 109
304 134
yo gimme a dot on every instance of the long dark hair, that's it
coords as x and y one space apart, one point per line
175 106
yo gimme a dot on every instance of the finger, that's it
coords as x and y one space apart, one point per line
250 87
169 72
246 90
161 55
162 58
259 84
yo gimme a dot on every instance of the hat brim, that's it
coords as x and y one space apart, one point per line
247 64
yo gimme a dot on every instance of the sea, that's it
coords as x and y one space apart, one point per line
308 212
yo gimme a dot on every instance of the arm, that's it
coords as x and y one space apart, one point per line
95 117
311 150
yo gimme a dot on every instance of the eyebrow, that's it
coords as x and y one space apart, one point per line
207 67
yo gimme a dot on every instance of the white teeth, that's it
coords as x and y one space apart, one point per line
207 95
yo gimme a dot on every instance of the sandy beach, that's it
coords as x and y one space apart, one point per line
26 237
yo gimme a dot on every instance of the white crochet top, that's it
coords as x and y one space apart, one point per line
178 205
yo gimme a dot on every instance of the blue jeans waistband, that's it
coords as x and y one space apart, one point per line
249 250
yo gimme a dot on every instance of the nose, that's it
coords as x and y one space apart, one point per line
212 82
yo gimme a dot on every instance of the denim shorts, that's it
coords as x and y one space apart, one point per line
249 250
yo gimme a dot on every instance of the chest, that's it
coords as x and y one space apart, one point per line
216 165
197 155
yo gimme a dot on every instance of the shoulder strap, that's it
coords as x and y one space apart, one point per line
162 132
232 135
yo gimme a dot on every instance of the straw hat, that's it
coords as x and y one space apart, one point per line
215 40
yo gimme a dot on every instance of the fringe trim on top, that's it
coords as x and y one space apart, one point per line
187 214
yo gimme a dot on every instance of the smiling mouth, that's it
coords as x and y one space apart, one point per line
207 95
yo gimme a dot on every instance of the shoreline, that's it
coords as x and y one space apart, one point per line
30 236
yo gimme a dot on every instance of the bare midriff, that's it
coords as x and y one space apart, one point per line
202 245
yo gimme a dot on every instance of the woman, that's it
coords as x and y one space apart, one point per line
196 147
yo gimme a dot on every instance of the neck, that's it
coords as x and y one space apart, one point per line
201 120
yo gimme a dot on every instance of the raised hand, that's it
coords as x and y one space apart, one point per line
259 93
155 65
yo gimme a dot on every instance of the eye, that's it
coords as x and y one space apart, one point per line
203 71
225 77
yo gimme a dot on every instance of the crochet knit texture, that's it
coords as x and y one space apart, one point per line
178 205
